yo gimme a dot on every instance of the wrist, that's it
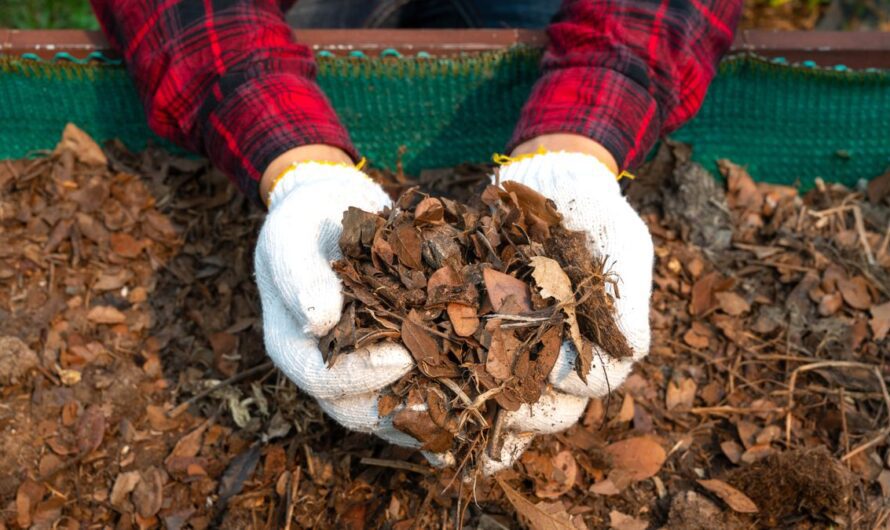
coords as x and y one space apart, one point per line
570 143
304 153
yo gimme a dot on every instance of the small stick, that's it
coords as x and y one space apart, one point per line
881 437
831 364
882 248
495 260
844 432
292 496
396 464
863 237
724 410
179 409
496 443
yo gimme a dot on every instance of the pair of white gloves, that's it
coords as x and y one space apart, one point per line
302 298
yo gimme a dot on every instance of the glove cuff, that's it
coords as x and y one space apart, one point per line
563 168
302 173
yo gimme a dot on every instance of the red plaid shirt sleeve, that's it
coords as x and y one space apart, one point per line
625 72
223 78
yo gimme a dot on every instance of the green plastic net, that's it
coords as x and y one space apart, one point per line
788 124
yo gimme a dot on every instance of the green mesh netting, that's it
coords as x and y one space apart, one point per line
789 124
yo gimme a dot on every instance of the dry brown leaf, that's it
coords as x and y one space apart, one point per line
126 245
106 314
879 188
680 395
743 192
422 346
553 282
420 425
240 469
123 486
620 521
501 287
605 487
626 413
386 404
530 201
830 304
90 429
880 320
405 243
149 492
109 281
747 432
190 444
464 319
695 339
640 457
731 303
27 497
734 498
502 350
732 450
884 482
81 145
703 292
429 211
855 292
158 419
563 473
537 518
359 229
757 452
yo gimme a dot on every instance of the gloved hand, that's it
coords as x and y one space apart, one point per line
302 299
588 196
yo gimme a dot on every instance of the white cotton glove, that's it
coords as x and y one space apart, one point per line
302 298
587 194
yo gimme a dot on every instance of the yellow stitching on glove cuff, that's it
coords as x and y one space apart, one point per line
506 160
361 164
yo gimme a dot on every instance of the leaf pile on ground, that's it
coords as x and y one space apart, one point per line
765 388
482 294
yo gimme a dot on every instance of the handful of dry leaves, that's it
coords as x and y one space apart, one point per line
482 295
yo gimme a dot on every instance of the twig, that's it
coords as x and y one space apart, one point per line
882 248
292 496
845 433
468 403
867 445
396 464
788 266
725 410
179 409
863 236
830 364
495 443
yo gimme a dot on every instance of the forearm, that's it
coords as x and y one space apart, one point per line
623 73
230 84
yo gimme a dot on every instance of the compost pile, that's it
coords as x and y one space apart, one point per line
135 391
482 295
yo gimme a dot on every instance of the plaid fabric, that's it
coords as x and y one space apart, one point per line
225 78
625 72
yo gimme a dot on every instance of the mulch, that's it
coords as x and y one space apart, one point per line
135 391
